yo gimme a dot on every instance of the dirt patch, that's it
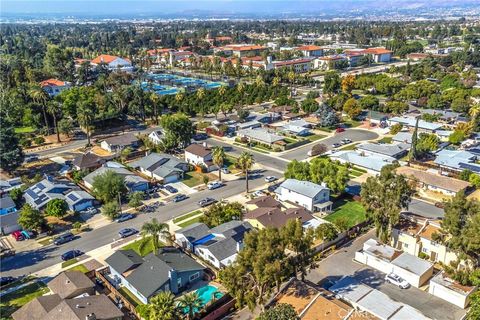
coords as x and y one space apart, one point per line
41 167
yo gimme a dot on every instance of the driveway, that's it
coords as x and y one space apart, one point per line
341 264
356 135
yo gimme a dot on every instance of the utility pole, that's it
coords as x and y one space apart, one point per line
120 202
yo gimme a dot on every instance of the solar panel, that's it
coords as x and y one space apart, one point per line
40 186
32 194
72 197
472 167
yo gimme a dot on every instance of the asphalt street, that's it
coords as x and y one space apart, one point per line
355 135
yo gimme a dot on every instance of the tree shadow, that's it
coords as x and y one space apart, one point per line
25 259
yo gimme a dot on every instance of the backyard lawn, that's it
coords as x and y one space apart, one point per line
135 246
352 210
130 297
16 299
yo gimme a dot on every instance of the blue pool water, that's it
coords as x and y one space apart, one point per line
165 84
206 295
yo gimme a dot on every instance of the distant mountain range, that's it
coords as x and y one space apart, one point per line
229 8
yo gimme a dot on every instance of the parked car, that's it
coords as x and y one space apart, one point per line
4 252
271 188
6 280
336 145
270 179
90 210
64 238
18 236
170 189
179 197
259 193
71 254
225 170
200 136
214 185
127 232
206 202
30 158
346 141
125 217
338 130
397 280
440 205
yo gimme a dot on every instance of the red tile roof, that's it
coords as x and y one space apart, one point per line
52 83
291 62
377 51
309 48
161 51
106 58
240 47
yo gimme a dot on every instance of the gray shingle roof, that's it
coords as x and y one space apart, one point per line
122 140
79 308
123 260
160 164
129 176
38 308
392 150
6 202
306 188
260 135
194 231
87 160
10 219
221 248
68 282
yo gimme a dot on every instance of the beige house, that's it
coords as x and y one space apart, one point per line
415 237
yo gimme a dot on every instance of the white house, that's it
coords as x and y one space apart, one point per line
451 291
311 196
310 51
200 155
113 62
162 167
118 143
54 86
379 54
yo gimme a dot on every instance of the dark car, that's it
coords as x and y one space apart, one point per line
200 136
125 217
338 130
206 202
64 238
127 232
179 197
170 189
71 254
6 280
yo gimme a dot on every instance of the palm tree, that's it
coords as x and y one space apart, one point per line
85 117
190 302
152 231
474 112
245 163
163 307
40 97
276 81
54 108
200 96
218 157
155 99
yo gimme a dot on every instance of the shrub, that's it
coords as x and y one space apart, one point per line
39 140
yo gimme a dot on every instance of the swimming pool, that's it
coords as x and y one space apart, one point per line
206 294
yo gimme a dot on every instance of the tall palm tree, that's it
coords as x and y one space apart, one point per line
190 302
474 112
152 231
200 95
40 97
54 108
163 307
245 163
85 117
218 157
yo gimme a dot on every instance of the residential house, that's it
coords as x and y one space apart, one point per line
443 287
296 130
379 54
248 125
264 217
10 184
132 181
311 196
262 136
118 143
218 246
7 205
54 86
161 166
113 63
410 122
433 182
156 136
393 150
403 137
416 236
386 259
71 284
98 307
310 51
9 223
200 155
263 202
87 161
267 118
457 160
169 270
39 194
371 162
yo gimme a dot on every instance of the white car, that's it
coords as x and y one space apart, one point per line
214 185
397 280
270 179
259 193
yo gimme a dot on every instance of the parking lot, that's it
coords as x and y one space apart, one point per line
341 264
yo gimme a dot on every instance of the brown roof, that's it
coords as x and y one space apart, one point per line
198 149
278 219
254 214
79 308
327 308
71 283
265 201
298 294
37 308
432 179
87 160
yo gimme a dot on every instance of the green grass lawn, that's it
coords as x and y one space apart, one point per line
325 129
24 130
16 299
354 173
351 146
80 268
129 295
193 179
359 169
18 282
69 262
189 222
315 137
289 140
187 216
386 140
352 210
135 246
352 123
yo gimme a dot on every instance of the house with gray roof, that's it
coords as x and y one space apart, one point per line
39 194
410 122
457 160
260 135
394 150
98 307
9 223
161 166
372 162
6 205
10 184
87 161
403 137
218 246
311 196
169 270
118 143
132 181
71 284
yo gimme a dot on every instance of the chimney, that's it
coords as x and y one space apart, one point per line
323 184
91 316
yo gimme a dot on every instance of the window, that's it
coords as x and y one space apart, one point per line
405 245
425 250
194 276
179 282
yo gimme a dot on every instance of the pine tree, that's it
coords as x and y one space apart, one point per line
413 149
